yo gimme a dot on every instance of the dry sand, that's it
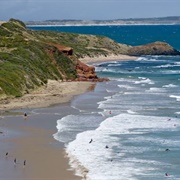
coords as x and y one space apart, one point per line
108 58
54 92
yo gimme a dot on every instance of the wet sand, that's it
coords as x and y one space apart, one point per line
30 140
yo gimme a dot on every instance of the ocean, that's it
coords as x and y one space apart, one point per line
129 127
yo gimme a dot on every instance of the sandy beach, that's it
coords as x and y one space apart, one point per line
30 140
54 92
102 58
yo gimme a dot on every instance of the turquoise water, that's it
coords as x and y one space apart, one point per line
132 35
128 128
136 115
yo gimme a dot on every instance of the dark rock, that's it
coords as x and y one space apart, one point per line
156 48
87 73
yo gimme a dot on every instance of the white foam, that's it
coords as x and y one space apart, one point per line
176 97
131 112
170 72
144 81
70 125
100 161
125 86
141 59
177 63
156 90
167 65
170 86
115 63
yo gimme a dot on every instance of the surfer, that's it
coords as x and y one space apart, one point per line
91 141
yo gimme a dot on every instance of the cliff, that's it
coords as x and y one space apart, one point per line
29 58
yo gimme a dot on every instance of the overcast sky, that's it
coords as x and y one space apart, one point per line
26 10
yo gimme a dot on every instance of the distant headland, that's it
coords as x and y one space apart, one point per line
171 20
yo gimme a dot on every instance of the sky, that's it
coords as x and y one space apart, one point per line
38 10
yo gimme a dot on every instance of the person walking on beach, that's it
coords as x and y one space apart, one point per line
15 161
24 163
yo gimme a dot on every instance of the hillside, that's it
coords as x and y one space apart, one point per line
29 58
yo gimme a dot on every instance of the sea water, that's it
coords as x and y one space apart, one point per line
129 127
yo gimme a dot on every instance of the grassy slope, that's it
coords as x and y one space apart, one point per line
27 61
85 45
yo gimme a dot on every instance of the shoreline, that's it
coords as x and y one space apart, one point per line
55 92
99 59
31 139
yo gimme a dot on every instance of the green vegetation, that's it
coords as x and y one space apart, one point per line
84 45
28 58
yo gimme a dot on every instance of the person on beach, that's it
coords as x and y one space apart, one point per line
6 154
25 115
15 161
24 163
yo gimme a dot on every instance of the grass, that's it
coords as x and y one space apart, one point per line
26 61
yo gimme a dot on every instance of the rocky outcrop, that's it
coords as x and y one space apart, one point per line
29 58
155 48
66 50
84 72
87 73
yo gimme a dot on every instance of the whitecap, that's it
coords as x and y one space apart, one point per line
146 81
131 112
156 90
169 86
176 97
98 156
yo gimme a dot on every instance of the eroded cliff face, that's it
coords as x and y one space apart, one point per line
155 48
84 72
29 58
87 73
